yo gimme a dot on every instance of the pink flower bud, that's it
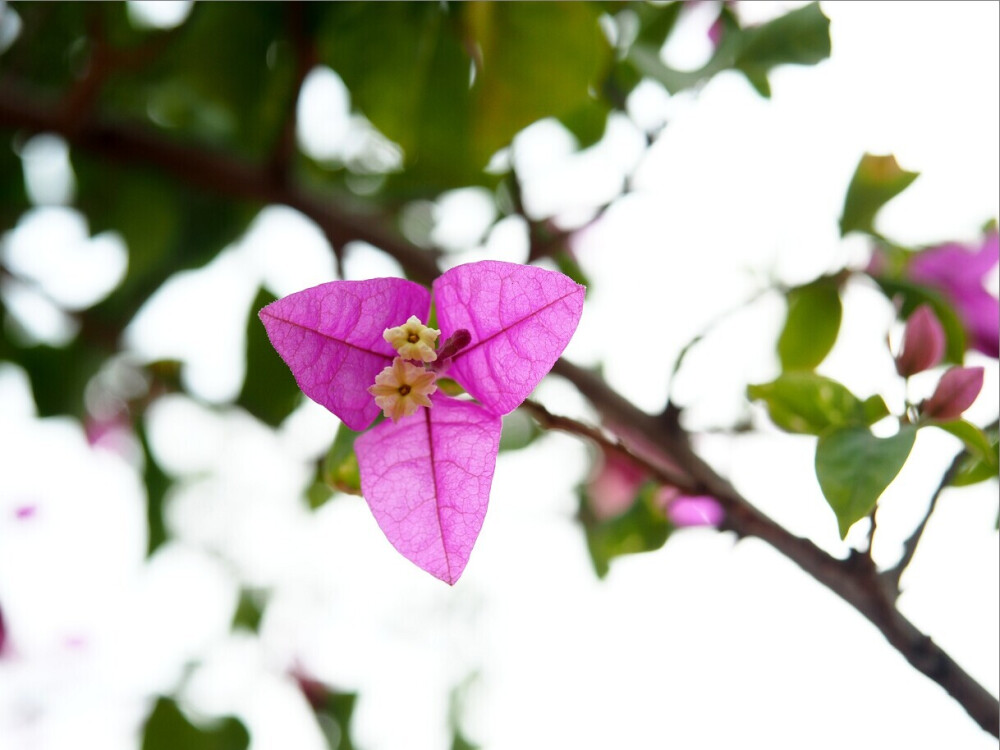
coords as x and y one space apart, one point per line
923 343
614 487
954 394
691 510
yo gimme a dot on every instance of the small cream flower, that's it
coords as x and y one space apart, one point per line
403 388
413 340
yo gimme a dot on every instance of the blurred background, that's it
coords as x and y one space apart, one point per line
184 561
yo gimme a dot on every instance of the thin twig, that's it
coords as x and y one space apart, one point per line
549 421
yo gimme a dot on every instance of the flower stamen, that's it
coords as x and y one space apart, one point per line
402 388
413 340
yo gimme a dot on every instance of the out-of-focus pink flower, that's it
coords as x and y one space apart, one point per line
923 343
3 634
954 394
691 510
26 511
958 271
614 487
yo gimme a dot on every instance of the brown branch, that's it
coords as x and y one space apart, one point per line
855 579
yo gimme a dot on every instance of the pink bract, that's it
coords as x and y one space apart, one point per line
520 318
427 477
427 481
330 336
958 272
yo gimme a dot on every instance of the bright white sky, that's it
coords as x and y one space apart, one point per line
702 644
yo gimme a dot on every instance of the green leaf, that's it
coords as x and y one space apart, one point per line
976 441
913 295
269 390
643 528
168 729
801 37
226 77
249 610
814 313
854 467
973 469
408 73
804 402
516 41
876 181
519 431
340 467
568 264
157 484
166 227
453 84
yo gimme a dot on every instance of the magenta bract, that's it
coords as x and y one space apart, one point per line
520 318
427 481
330 336
958 272
426 477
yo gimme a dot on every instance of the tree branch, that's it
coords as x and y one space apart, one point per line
855 579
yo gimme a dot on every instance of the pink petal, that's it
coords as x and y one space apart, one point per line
427 481
954 394
330 337
520 318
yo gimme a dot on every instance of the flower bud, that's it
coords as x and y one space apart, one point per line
923 343
954 394
691 510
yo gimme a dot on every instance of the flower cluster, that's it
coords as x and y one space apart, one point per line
360 348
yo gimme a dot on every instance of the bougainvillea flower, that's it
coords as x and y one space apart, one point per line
955 393
958 271
361 347
923 343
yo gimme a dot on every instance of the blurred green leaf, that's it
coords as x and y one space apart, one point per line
408 73
975 468
537 60
519 431
269 392
854 467
804 402
226 77
249 610
58 375
976 441
166 226
52 48
801 37
812 324
452 86
568 264
168 729
340 467
157 483
642 528
876 181
13 198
